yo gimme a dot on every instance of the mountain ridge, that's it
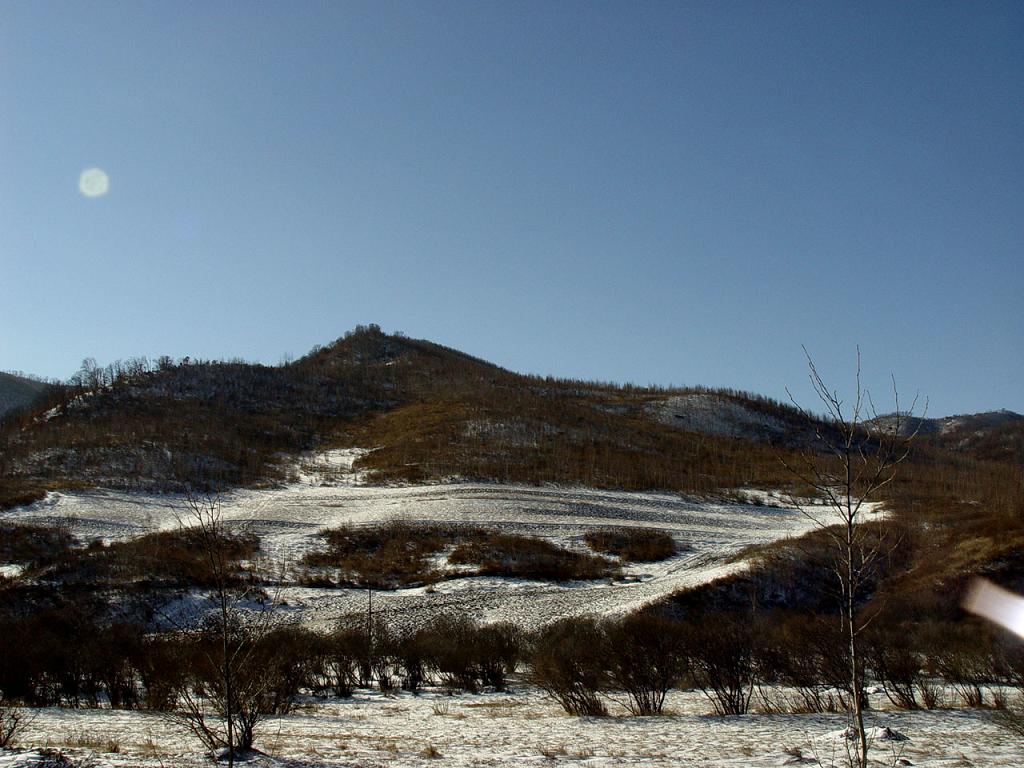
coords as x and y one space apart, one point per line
432 411
18 390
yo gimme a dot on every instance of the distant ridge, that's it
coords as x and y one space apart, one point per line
945 425
992 435
17 391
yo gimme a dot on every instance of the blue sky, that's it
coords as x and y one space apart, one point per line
649 192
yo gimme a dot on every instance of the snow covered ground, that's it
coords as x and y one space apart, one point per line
490 729
523 728
328 493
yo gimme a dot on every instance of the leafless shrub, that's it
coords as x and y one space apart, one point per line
799 652
851 459
723 661
1011 717
931 695
964 656
568 662
451 649
12 720
161 672
498 650
893 653
647 657
344 652
236 669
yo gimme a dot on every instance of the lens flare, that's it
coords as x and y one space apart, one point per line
93 183
996 604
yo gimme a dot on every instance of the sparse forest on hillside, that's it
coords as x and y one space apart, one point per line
433 412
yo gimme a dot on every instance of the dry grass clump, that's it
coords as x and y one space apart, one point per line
633 545
385 557
164 558
398 555
93 742
431 751
503 554
32 543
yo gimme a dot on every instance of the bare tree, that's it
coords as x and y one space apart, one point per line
229 686
849 456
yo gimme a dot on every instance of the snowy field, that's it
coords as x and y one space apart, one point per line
327 492
523 728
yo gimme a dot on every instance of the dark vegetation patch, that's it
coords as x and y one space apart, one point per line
385 557
633 545
208 424
962 518
796 574
774 660
16 493
950 517
36 543
398 554
1002 442
452 650
503 554
128 666
161 559
19 390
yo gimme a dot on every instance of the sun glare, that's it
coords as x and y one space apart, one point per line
93 183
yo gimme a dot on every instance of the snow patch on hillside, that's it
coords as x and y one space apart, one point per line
331 467
714 414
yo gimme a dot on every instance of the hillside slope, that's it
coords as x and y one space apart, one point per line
18 391
432 414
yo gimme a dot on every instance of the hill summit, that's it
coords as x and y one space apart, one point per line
428 412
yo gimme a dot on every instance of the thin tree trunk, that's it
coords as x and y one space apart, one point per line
858 705
228 687
851 624
868 457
